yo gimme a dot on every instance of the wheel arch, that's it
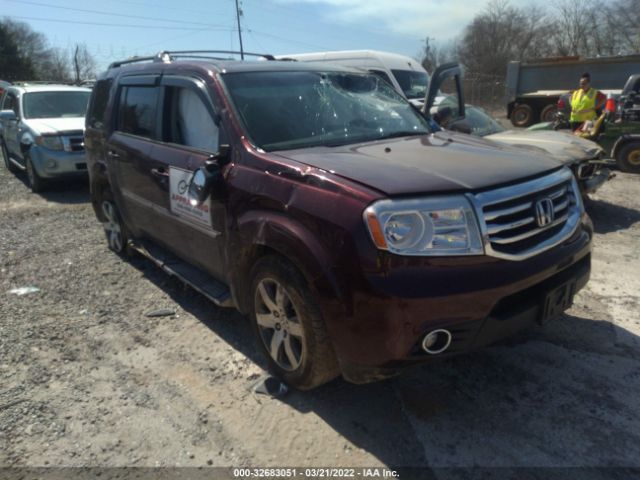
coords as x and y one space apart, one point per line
261 233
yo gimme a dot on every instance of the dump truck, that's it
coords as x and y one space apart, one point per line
533 88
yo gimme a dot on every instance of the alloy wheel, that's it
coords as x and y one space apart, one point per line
112 226
279 325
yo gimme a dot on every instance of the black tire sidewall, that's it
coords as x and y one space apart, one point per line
36 184
522 108
107 196
622 158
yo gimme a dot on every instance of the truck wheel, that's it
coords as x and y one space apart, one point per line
628 158
114 228
548 113
36 183
289 325
522 115
7 161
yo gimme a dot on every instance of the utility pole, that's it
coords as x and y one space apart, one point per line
238 13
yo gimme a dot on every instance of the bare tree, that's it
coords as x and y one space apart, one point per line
502 33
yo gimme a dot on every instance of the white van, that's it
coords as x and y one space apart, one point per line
406 75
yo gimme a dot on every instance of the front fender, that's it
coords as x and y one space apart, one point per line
274 231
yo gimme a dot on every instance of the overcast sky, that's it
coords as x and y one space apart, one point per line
116 29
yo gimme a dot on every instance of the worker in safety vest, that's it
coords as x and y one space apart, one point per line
584 102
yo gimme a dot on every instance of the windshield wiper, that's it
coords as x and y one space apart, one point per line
406 133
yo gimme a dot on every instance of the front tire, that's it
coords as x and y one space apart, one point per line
628 158
36 183
289 326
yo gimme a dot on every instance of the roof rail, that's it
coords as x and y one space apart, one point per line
167 56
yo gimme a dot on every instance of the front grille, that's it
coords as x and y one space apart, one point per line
523 220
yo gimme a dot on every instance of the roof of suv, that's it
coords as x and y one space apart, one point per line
227 66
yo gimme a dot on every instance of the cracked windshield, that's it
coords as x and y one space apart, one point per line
320 109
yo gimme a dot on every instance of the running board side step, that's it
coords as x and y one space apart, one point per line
200 281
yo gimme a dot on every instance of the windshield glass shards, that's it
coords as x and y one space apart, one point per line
288 110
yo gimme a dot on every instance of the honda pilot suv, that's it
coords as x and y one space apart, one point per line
318 201
42 131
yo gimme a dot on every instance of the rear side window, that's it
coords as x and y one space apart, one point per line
138 110
98 105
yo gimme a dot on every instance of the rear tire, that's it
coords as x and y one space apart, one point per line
522 115
36 183
628 158
289 326
548 113
114 228
7 161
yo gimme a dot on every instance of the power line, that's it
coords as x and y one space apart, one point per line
287 40
162 7
55 20
83 10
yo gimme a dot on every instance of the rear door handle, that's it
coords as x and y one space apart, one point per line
159 172
113 154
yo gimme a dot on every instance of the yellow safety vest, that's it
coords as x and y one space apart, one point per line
581 100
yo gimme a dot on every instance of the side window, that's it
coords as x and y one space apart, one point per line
11 103
138 110
98 106
188 122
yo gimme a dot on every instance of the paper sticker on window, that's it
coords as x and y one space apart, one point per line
178 185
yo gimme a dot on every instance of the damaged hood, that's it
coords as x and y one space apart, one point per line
442 162
52 126
562 146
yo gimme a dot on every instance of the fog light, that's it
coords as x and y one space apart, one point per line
51 164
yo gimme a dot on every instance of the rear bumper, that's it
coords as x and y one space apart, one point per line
56 164
480 301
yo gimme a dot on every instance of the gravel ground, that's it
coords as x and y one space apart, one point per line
87 379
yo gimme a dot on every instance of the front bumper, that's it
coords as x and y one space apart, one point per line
480 300
56 164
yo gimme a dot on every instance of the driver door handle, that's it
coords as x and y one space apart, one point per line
113 154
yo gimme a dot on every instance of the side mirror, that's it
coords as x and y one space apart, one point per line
208 180
8 116
199 187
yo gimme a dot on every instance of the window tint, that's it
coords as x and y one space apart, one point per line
138 111
189 121
98 106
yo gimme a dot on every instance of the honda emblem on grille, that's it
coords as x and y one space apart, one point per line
545 213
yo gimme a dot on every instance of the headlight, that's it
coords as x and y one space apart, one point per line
434 226
51 142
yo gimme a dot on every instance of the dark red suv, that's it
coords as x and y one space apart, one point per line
318 201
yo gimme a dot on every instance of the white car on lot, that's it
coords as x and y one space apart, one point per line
42 131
